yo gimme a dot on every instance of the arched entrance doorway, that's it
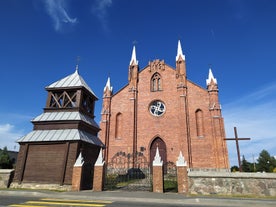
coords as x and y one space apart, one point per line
158 142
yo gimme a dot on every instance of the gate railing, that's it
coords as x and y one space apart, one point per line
139 179
170 177
132 179
123 174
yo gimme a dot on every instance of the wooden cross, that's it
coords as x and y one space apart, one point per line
237 146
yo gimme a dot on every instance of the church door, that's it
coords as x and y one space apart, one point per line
158 142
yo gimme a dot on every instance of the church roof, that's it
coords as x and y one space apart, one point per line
73 80
61 135
65 116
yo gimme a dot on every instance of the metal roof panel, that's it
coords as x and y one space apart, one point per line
73 80
65 116
61 135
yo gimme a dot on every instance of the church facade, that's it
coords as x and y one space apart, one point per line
160 108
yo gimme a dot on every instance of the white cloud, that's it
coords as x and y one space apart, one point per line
99 9
57 11
254 116
8 137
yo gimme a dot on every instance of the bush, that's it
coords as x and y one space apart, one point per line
5 161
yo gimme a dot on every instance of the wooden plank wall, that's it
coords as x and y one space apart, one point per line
44 163
53 162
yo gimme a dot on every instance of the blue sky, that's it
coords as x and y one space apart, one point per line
40 41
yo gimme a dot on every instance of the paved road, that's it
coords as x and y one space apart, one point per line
122 199
19 201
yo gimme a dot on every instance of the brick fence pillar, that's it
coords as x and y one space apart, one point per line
98 179
157 173
182 175
77 174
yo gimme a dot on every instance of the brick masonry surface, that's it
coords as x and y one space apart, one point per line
174 127
182 180
158 180
98 178
76 178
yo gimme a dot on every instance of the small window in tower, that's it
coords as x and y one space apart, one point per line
63 99
56 100
156 82
70 99
53 102
88 104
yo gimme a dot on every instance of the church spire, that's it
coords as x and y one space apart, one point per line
133 57
212 88
180 71
211 78
106 113
179 52
108 85
133 71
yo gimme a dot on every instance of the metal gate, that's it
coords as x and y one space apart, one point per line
170 177
122 173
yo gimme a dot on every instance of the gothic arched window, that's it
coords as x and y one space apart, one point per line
199 123
156 82
118 126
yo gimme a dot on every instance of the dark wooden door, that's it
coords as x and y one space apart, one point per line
158 142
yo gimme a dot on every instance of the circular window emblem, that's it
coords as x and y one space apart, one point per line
157 108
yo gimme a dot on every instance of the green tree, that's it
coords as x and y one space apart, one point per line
5 162
246 166
265 162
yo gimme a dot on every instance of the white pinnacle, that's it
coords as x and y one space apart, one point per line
179 52
133 57
181 160
100 161
107 85
79 161
157 159
211 77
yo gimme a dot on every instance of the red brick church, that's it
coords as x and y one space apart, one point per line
160 107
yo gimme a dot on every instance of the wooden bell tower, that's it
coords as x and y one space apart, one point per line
65 129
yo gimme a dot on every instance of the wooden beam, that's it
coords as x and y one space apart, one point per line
23 163
65 159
